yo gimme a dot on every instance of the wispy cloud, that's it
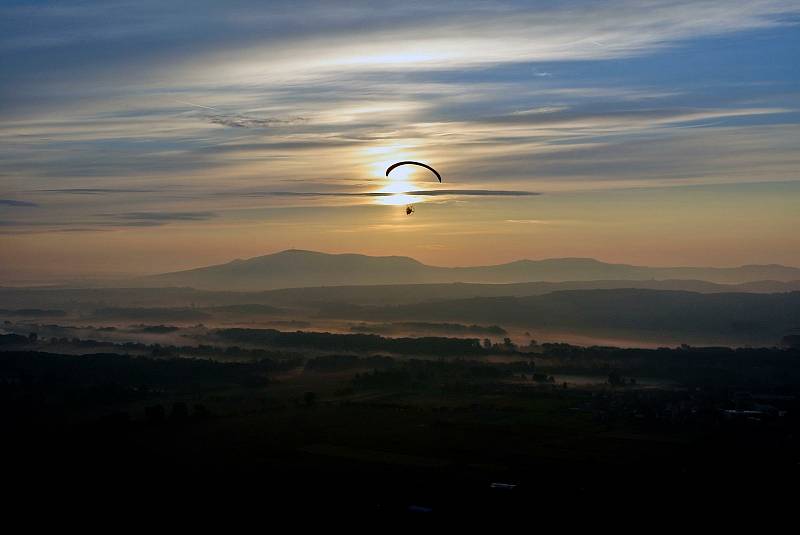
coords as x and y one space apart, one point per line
413 193
472 193
243 121
96 191
562 115
163 217
12 202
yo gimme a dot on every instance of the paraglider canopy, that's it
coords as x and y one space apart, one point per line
409 162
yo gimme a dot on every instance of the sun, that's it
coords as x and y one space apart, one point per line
399 182
398 186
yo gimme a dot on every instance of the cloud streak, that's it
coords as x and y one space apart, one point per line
243 121
414 193
96 191
162 217
15 203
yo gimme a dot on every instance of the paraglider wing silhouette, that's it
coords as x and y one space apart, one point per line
409 162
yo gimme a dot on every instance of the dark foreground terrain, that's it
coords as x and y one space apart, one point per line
496 431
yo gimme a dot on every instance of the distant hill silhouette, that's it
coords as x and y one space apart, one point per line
296 268
52 302
729 317
398 294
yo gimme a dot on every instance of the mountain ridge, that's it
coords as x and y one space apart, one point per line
294 268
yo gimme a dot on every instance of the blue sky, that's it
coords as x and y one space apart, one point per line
147 136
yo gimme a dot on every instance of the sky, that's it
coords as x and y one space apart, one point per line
144 137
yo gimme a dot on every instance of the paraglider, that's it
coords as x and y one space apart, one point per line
410 208
409 162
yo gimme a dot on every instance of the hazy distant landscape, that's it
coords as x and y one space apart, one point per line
751 311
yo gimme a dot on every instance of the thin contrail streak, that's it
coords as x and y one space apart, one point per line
195 105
